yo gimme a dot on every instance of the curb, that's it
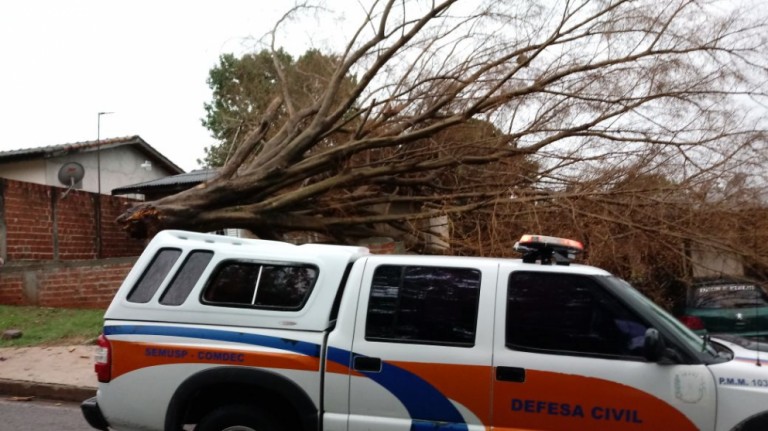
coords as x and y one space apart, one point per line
49 391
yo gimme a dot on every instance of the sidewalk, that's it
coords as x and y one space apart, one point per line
59 373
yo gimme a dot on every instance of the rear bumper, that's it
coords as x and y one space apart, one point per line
93 415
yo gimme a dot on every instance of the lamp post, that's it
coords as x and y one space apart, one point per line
98 186
98 149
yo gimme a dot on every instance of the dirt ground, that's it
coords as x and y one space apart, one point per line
65 365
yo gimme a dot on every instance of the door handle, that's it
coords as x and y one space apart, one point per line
364 363
510 374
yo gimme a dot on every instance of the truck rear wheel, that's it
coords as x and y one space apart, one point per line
237 418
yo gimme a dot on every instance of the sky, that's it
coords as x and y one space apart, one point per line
146 61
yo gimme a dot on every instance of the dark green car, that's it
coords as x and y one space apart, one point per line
725 306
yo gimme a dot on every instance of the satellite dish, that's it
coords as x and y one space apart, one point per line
71 173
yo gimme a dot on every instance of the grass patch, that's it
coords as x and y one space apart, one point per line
50 326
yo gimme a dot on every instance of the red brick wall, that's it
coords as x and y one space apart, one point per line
75 225
11 287
40 223
83 284
115 242
28 218
50 243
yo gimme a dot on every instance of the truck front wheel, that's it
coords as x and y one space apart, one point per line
237 418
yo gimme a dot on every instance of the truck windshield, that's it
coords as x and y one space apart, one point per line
671 324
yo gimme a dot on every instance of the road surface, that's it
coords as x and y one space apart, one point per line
40 415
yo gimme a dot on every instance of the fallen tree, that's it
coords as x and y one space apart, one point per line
478 114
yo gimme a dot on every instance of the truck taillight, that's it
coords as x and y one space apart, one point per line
103 359
692 322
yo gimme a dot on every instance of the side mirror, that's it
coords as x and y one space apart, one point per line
655 350
653 346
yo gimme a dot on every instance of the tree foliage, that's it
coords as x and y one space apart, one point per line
242 89
619 122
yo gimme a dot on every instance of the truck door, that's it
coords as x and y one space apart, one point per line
422 344
568 356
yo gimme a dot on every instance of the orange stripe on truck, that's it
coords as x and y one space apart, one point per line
130 356
469 385
555 401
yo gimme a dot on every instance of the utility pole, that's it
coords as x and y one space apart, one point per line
98 186
98 149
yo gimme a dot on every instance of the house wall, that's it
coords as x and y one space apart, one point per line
119 166
31 171
61 249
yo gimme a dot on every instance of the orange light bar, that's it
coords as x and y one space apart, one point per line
551 240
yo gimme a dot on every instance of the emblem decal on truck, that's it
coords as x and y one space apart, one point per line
689 387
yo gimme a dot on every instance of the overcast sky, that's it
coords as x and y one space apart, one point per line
64 61
146 61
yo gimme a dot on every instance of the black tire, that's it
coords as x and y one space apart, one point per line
758 422
237 418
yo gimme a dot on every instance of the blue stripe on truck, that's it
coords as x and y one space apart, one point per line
302 347
422 400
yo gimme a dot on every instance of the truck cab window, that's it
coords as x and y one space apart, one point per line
569 314
154 275
426 305
186 278
250 284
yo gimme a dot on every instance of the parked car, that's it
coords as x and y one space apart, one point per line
727 306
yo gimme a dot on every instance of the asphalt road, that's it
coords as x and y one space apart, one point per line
41 416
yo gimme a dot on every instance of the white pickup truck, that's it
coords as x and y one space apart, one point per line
224 334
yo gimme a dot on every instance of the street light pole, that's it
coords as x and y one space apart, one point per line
98 149
98 176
